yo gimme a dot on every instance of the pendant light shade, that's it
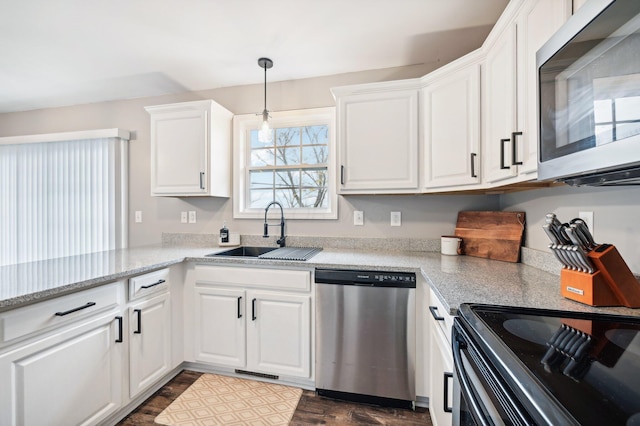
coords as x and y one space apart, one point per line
265 135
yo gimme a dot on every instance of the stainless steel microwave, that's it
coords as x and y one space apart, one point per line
589 97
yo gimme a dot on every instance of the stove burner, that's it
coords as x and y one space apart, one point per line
532 331
624 339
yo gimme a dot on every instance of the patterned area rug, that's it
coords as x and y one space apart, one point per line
220 400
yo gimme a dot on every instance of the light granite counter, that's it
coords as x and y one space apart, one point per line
455 279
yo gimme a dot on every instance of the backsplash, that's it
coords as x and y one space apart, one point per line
538 259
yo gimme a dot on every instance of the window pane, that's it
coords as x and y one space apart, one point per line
628 108
288 136
602 111
314 177
626 130
262 157
288 179
604 134
256 143
288 197
314 197
260 198
315 135
314 154
260 179
287 156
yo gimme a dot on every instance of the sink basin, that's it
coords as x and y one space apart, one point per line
243 251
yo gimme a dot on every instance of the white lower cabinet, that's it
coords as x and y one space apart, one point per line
149 342
440 364
254 329
72 377
279 334
220 326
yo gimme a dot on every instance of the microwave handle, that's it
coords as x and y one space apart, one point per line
514 150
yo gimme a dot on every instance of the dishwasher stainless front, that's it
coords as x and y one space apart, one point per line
365 336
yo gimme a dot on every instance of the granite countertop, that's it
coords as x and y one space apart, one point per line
455 279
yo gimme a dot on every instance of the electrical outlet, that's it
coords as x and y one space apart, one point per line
588 219
396 218
183 217
138 216
192 216
358 218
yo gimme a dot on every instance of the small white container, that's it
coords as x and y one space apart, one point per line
450 245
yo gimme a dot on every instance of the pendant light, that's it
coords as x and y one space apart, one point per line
265 134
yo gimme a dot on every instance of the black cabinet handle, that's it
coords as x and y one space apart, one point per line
154 284
201 180
342 175
436 317
139 312
253 310
514 155
447 408
119 339
473 164
239 303
79 308
502 142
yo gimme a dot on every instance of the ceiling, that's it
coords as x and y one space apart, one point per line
69 52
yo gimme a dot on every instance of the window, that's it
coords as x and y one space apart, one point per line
62 195
295 168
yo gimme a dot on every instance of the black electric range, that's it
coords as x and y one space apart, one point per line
535 366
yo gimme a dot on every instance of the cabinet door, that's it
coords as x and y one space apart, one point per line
220 316
499 107
378 142
149 342
537 22
70 378
452 129
441 387
279 334
179 152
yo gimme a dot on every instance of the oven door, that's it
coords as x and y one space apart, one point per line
480 396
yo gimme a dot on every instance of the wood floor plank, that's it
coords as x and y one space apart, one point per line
311 410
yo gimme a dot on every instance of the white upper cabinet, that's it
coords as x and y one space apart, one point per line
190 149
378 138
509 88
451 126
537 22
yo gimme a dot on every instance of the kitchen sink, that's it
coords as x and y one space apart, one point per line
243 251
271 253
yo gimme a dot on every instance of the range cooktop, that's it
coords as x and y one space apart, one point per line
589 364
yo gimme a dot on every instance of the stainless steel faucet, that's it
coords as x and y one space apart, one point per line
282 241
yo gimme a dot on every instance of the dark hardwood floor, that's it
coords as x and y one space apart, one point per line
311 410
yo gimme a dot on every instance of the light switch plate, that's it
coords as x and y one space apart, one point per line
192 216
396 218
358 218
138 216
183 217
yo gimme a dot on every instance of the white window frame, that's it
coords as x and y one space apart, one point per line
244 124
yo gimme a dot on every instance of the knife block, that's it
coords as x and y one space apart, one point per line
612 284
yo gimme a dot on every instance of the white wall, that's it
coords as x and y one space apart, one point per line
422 216
616 215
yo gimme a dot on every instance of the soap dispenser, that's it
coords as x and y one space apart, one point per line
224 234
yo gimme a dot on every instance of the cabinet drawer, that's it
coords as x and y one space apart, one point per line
151 283
440 315
57 312
274 279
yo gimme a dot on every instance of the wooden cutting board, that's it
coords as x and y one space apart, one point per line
493 235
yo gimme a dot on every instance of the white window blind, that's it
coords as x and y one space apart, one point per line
61 198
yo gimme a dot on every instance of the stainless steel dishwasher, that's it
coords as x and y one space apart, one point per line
365 336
